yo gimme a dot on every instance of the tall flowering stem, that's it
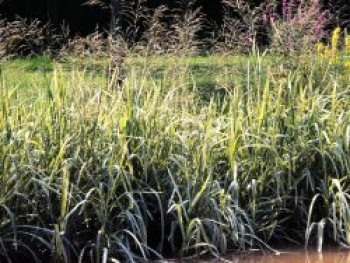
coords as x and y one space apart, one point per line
284 9
335 43
347 45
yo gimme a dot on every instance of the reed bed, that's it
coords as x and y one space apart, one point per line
95 172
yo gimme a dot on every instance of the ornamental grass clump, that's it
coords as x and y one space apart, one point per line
93 173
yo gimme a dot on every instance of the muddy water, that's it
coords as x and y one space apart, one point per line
296 256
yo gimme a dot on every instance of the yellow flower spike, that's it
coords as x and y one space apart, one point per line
347 65
320 49
347 45
336 37
326 52
335 43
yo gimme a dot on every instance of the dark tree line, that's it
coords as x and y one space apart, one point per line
83 17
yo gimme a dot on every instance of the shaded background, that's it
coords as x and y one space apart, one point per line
80 18
83 19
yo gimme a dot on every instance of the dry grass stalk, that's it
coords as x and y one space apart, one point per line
94 44
186 28
241 25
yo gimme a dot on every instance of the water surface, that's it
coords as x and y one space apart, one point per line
292 256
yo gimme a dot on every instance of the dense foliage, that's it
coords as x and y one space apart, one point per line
172 136
186 156
83 18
